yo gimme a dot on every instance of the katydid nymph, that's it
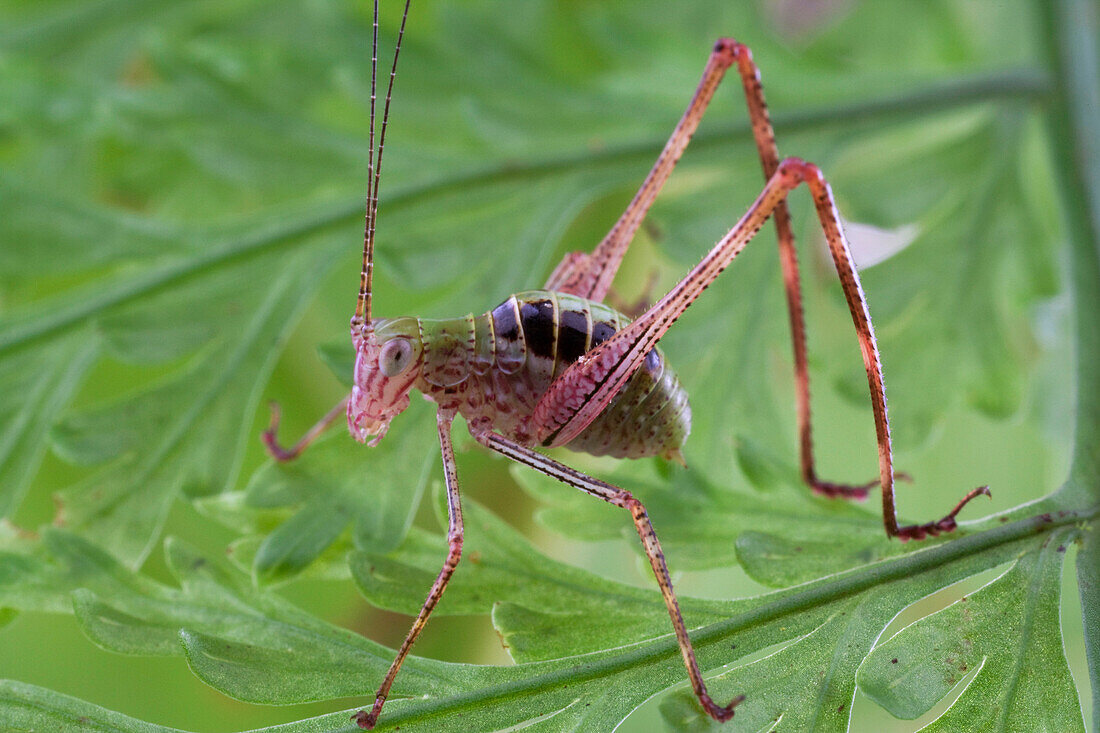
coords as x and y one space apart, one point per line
558 368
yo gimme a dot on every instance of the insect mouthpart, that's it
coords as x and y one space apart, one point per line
361 425
376 428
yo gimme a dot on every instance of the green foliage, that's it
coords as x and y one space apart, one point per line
1029 685
180 201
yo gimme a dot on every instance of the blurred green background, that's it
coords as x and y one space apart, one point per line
132 135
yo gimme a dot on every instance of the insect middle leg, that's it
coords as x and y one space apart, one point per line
584 390
444 418
622 498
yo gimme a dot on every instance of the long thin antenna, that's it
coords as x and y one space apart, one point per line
374 169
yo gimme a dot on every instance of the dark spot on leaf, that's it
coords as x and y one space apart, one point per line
840 709
1003 519
894 660
1061 548
199 562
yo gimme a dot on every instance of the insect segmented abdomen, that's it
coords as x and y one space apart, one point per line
536 335
494 368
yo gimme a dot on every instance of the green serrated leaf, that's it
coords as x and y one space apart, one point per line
500 565
338 483
179 178
1006 635
34 388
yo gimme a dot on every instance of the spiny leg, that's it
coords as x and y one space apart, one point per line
587 386
764 135
623 498
444 418
279 453
582 392
590 275
865 331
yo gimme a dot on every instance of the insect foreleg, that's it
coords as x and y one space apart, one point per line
280 453
444 418
622 498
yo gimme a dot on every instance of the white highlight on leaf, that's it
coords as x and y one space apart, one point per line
870 244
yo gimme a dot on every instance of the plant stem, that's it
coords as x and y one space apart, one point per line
1074 127
1069 30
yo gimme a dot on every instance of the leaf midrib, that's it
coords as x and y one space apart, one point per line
788 602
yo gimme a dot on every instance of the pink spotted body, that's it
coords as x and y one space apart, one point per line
493 369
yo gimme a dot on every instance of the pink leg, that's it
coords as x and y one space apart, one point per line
764 135
578 396
280 453
454 541
623 498
590 275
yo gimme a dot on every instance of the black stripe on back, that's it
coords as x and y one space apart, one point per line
601 332
572 336
504 321
538 327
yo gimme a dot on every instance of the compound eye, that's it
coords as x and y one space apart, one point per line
395 357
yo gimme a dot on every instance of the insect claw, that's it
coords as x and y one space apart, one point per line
720 713
271 442
843 491
942 526
364 720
